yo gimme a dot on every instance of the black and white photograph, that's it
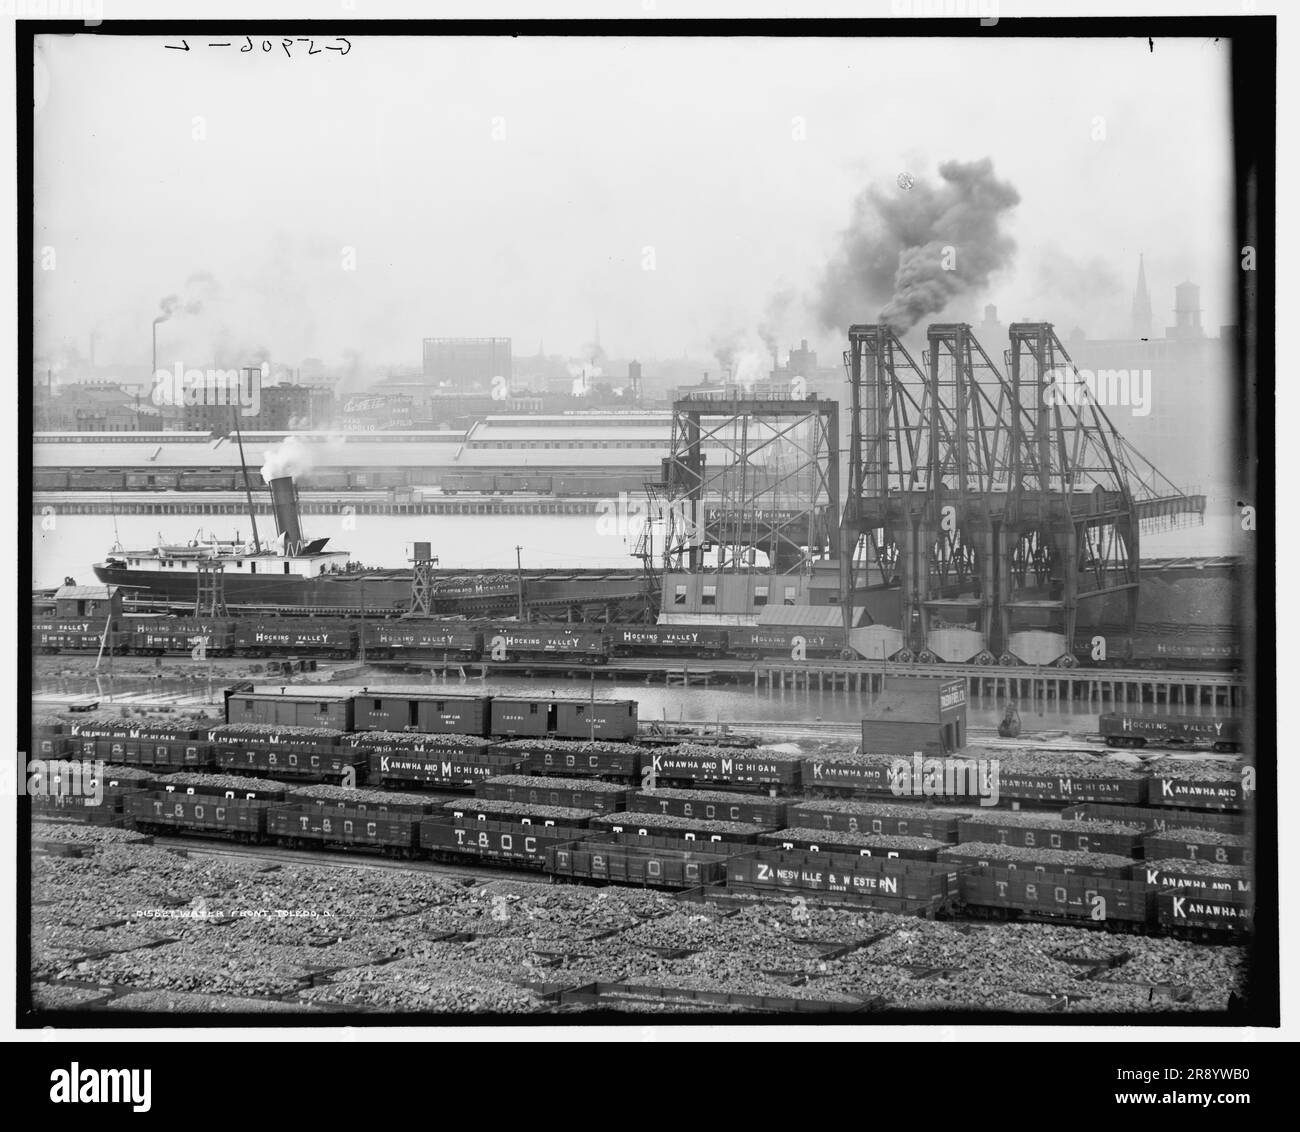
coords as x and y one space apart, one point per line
731 525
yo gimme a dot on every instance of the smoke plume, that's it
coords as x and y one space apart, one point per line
909 252
291 457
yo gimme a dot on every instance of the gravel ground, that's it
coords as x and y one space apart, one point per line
191 935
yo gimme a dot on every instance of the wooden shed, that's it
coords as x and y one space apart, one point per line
916 713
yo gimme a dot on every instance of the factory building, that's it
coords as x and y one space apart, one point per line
467 364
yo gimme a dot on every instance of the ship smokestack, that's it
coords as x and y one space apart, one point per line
284 502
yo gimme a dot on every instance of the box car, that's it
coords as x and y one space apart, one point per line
525 843
710 805
1121 729
595 719
1050 834
508 484
630 864
44 479
239 818
1180 912
398 639
326 708
667 640
396 834
453 482
522 716
152 480
431 714
574 794
87 480
1058 895
208 481
884 819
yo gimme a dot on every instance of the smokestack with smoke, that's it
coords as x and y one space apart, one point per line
909 252
290 458
284 502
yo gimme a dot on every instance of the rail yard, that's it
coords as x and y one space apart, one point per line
313 835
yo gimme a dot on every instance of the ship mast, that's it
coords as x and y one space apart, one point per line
248 490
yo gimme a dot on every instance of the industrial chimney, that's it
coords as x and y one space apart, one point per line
284 502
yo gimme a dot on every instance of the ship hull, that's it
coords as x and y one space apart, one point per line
381 590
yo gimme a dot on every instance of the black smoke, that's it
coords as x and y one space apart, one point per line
909 252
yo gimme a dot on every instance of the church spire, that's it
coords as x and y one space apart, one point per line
1141 315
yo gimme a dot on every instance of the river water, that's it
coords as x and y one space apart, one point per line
725 703
67 545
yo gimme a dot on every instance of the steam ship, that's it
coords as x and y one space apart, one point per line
294 571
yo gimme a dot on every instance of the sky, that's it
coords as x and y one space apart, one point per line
682 194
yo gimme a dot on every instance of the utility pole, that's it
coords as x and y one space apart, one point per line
519 575
361 637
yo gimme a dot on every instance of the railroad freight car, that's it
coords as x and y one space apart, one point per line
788 642
90 479
1044 832
1194 914
322 707
645 867
690 765
410 640
158 636
58 636
239 819
520 842
710 805
279 635
668 640
577 759
514 644
594 719
1229 792
531 484
47 479
1020 893
1120 729
429 713
1156 818
455 482
309 826
874 882
574 793
152 481
444 767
